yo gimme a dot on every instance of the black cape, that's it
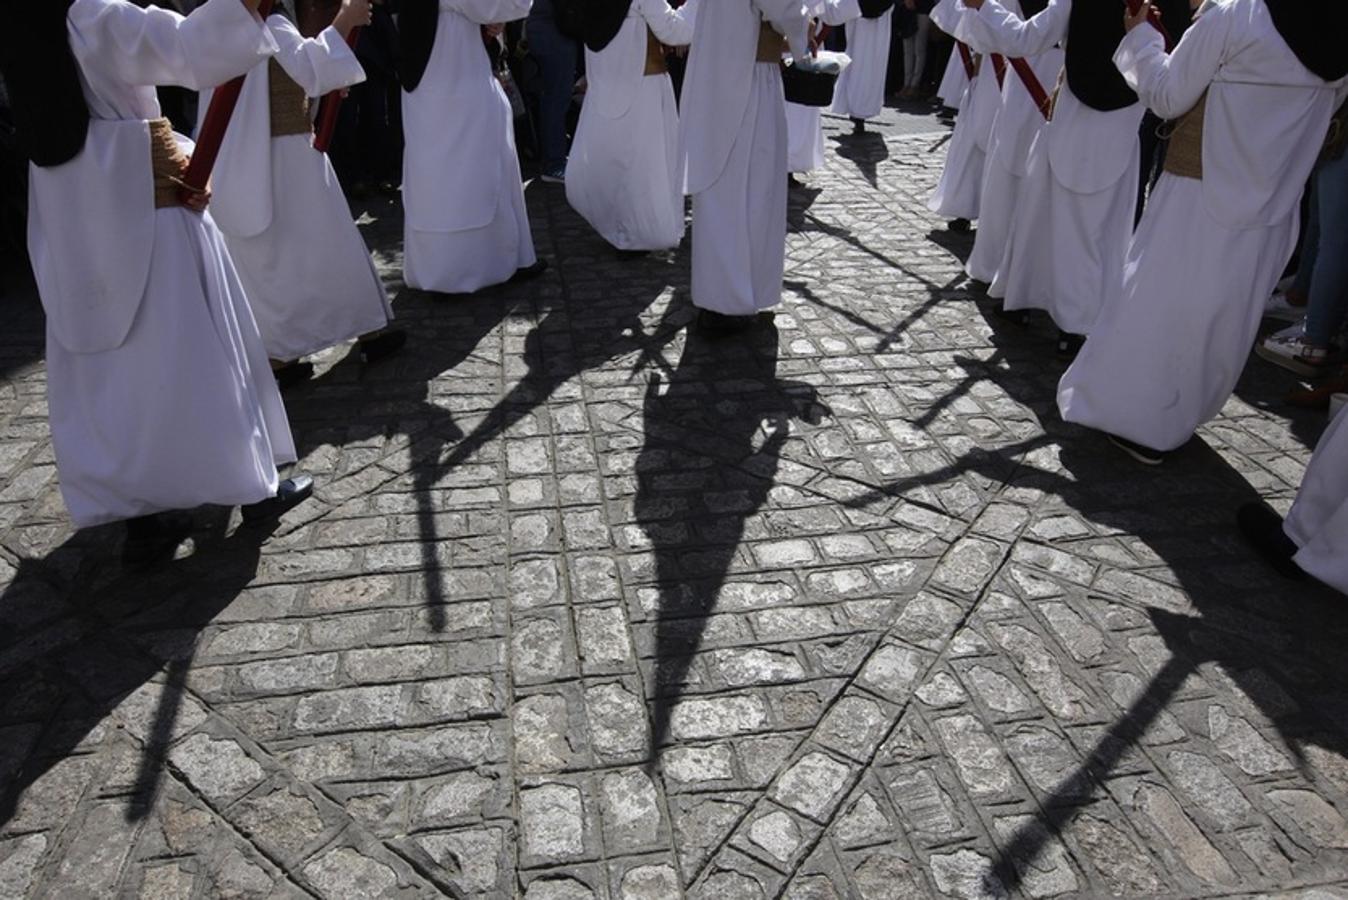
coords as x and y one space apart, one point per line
603 20
43 80
1094 31
416 38
874 9
1317 32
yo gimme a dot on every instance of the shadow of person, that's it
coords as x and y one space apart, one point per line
866 151
725 400
84 644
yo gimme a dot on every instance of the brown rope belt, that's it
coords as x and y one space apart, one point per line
289 105
169 164
655 55
1184 156
770 44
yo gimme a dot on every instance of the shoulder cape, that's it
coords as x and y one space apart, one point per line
603 20
43 79
417 21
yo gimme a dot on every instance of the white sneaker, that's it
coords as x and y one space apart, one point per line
1278 308
1288 349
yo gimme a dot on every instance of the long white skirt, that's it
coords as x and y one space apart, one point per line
1318 522
622 175
739 222
186 411
996 212
309 277
460 262
860 92
951 89
805 138
1164 357
1066 250
959 192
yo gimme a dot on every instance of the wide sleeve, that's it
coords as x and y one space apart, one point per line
840 12
945 15
489 12
671 27
1170 85
318 65
791 19
995 29
151 47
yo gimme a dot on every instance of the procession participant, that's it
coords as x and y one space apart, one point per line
623 176
306 269
804 124
1075 215
466 223
950 92
732 143
958 194
1253 84
1018 123
158 387
1313 540
860 94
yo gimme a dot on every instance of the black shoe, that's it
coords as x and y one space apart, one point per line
1069 345
292 374
858 126
291 493
631 255
1019 317
1262 527
716 324
154 539
792 181
529 273
381 346
1145 455
960 226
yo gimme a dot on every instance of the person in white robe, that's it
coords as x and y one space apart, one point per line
159 390
804 124
1313 540
950 92
959 191
860 94
467 227
1218 229
1018 123
732 146
622 175
306 269
1077 201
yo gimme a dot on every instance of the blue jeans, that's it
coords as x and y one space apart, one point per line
1323 274
556 57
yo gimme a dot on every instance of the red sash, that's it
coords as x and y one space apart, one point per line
967 57
1042 101
999 68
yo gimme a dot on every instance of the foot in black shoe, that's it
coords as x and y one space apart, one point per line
1145 455
1262 527
1014 316
960 226
529 273
858 126
716 324
632 255
1069 345
291 493
154 539
292 374
381 346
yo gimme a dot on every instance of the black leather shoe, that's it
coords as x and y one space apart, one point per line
154 539
714 324
289 494
529 273
1262 527
381 346
1143 454
960 226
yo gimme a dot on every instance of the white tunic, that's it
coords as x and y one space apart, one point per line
1073 224
307 271
732 139
622 175
1318 522
1165 358
466 222
804 125
159 390
959 192
861 87
955 80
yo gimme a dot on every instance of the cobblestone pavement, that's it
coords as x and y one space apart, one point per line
587 607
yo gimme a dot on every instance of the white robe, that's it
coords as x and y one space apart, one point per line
622 175
955 80
959 192
1207 254
732 139
860 93
1075 218
1018 124
804 124
1318 522
466 223
158 386
308 274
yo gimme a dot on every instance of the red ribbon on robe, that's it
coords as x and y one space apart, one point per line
967 57
999 68
212 133
1154 19
331 106
1041 97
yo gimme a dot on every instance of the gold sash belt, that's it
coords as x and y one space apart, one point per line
1184 156
770 44
655 55
169 164
289 105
